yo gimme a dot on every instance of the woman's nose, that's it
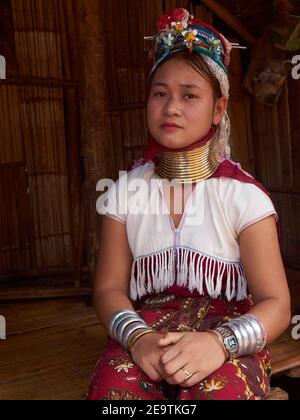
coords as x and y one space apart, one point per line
172 107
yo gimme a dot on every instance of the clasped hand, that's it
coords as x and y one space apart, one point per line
183 358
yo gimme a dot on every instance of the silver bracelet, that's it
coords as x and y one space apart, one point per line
126 323
119 327
259 333
250 334
240 326
121 318
115 316
258 328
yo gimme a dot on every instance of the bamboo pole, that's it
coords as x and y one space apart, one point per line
230 20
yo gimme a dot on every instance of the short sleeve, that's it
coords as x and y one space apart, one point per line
249 205
113 202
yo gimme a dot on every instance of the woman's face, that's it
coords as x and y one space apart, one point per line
180 95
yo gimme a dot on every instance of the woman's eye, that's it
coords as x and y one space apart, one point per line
162 94
190 96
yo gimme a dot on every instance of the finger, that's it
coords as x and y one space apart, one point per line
169 355
160 371
153 374
170 338
170 369
164 349
195 379
179 378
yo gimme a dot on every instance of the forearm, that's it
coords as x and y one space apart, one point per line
274 315
110 301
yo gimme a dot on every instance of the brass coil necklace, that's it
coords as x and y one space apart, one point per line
189 166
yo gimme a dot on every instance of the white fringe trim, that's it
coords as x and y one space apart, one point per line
159 269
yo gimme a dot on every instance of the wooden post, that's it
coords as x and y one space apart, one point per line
90 25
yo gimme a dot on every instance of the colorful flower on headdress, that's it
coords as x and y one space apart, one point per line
178 30
167 38
216 45
190 37
179 26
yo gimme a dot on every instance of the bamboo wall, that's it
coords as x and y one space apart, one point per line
36 217
276 144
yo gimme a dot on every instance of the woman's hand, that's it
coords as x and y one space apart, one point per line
146 354
194 352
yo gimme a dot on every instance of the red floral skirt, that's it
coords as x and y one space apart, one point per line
116 377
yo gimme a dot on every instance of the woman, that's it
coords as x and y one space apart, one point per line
173 287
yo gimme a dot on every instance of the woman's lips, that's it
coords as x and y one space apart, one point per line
170 127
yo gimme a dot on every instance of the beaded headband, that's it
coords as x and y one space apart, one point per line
179 30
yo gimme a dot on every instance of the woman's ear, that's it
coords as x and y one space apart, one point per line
220 109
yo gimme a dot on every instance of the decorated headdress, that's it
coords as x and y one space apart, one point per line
179 30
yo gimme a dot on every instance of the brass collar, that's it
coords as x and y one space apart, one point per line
190 166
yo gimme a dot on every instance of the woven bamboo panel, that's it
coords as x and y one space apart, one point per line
14 206
14 219
288 208
272 143
33 137
294 144
11 145
37 38
239 111
44 141
32 130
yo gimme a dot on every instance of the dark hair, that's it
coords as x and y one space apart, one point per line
198 63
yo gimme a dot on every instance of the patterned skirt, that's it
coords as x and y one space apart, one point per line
116 377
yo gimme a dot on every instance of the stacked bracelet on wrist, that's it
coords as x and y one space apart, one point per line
120 329
243 335
136 335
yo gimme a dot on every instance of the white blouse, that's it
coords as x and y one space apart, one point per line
216 211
